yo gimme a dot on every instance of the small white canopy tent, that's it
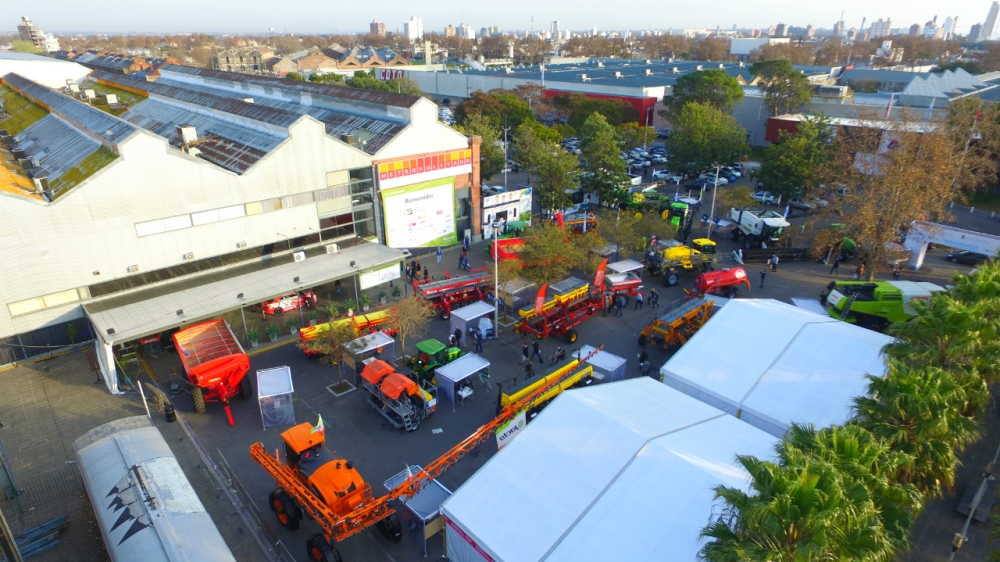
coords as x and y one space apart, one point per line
468 316
608 367
772 364
619 471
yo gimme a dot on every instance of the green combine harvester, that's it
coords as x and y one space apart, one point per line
875 305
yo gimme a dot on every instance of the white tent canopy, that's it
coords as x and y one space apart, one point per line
772 364
608 367
620 471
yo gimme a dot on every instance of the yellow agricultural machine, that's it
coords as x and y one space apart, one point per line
676 327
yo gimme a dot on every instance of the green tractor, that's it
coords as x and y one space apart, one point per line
431 354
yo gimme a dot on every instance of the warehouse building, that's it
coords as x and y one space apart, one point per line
132 206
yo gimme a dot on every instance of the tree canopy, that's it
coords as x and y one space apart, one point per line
491 156
785 89
714 87
557 173
604 171
790 167
704 136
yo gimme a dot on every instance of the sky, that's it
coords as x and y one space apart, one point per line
326 16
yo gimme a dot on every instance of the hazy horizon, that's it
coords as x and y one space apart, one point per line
307 17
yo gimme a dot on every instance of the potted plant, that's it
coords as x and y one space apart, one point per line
381 297
331 311
272 331
254 336
292 325
350 305
313 317
366 302
396 292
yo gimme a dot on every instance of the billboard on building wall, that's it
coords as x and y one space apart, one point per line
407 171
421 214
386 74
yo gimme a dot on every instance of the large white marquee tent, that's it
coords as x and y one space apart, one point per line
619 471
772 364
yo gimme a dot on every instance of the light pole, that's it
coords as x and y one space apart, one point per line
506 131
715 190
286 238
496 280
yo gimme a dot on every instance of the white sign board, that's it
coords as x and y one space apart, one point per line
379 276
421 215
507 431
386 74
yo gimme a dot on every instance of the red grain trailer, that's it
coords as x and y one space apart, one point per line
215 364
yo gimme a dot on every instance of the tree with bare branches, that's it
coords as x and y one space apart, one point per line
409 317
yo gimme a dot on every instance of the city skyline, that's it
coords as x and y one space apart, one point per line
309 17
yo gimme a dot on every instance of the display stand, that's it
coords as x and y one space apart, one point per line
468 317
377 345
274 395
608 367
459 374
421 514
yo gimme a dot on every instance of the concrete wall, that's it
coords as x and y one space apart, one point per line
92 227
462 85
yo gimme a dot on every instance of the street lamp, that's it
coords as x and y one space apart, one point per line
496 279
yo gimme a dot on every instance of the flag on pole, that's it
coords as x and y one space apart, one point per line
318 426
888 106
787 207
929 109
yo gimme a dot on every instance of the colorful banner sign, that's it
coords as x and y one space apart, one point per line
507 431
372 278
421 215
408 171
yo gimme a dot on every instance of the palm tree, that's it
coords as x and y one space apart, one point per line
861 456
951 334
919 412
799 509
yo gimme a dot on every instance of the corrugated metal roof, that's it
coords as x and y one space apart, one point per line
354 94
103 125
225 144
377 133
56 146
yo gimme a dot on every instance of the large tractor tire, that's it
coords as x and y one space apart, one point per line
750 242
246 389
571 336
198 397
321 551
672 279
284 508
390 527
539 335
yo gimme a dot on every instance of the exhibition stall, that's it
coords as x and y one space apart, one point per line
455 379
468 317
274 396
608 367
421 514
377 345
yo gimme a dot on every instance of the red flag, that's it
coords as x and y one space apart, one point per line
540 299
599 276
559 219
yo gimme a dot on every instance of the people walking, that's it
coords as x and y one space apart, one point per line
525 354
458 337
439 254
466 243
619 305
529 370
536 353
774 262
643 356
638 301
654 298
895 273
836 267
763 272
559 354
479 341
645 367
426 274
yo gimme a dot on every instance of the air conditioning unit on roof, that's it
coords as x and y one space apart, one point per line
332 248
299 255
617 74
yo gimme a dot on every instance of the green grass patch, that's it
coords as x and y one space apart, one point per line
985 200
86 168
23 112
126 99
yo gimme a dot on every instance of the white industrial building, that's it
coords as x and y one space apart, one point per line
201 188
618 471
46 71
793 366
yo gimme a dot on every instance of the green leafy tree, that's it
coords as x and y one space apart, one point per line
530 140
974 129
546 256
785 89
25 47
295 76
579 108
790 166
491 157
713 87
919 412
483 104
704 137
629 231
859 455
604 171
798 509
557 174
632 135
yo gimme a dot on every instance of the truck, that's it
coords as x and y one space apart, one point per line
431 354
215 364
455 292
725 282
671 258
874 305
756 226
396 396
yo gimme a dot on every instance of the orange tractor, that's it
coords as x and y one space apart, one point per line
313 481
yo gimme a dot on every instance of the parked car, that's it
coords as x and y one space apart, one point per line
711 178
662 175
662 133
659 148
763 197
289 302
732 171
698 183
799 203
493 190
968 258
658 159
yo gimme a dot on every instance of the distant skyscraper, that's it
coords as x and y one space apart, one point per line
880 28
465 30
555 30
810 31
975 32
780 30
915 30
838 28
449 31
991 21
377 28
414 28
46 42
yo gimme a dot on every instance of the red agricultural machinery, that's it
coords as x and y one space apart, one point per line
449 294
215 364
